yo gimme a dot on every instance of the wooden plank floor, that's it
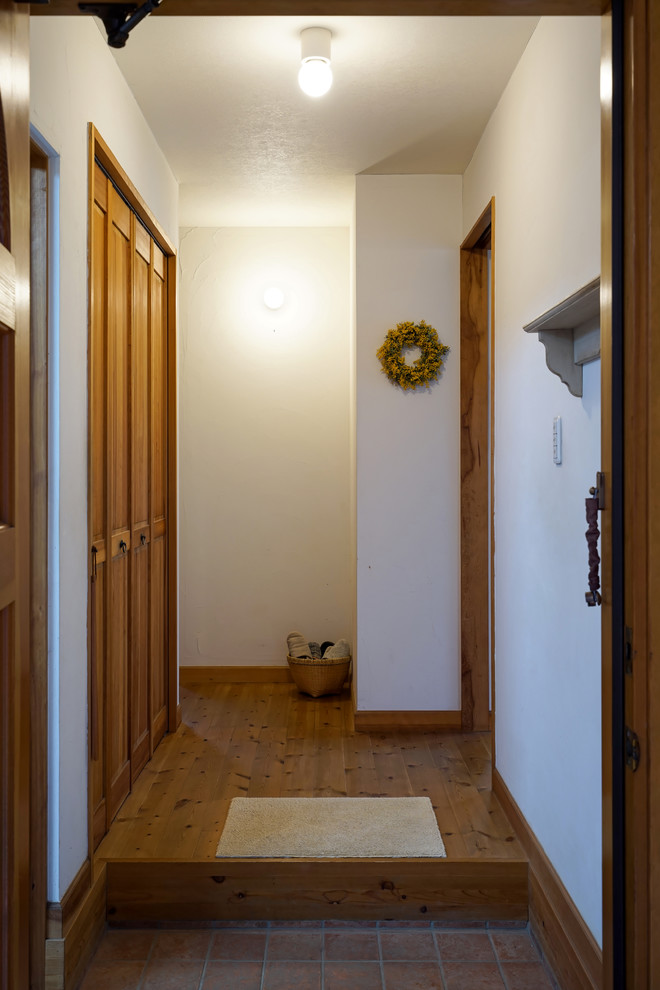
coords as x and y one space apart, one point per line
267 740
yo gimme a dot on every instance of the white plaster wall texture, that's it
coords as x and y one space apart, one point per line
265 443
540 157
74 80
408 233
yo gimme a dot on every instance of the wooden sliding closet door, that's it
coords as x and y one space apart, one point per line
128 501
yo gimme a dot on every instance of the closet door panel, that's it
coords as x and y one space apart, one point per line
119 407
159 632
119 358
140 364
159 389
98 503
97 777
139 696
98 360
141 385
117 683
158 641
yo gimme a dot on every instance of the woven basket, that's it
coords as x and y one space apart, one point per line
318 677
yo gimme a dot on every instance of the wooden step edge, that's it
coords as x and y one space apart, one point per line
348 889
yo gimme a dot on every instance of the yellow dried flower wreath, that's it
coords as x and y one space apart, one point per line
426 368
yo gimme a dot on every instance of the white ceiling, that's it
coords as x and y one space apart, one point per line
410 95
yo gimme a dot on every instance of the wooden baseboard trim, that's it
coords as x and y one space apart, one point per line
59 914
151 892
557 925
84 931
233 675
388 721
74 928
76 894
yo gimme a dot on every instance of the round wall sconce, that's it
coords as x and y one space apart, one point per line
274 298
315 76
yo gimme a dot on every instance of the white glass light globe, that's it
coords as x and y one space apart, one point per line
315 76
273 298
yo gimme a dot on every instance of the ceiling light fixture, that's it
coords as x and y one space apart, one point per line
315 76
274 298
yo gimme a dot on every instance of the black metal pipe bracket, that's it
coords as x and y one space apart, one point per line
119 19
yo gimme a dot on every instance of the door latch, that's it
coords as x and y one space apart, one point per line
597 491
632 749
628 651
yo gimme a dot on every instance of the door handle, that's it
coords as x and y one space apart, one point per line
592 505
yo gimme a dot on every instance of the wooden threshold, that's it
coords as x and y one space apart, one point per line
141 892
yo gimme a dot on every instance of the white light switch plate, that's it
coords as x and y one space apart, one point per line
556 439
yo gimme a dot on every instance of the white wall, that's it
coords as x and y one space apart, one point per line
265 496
540 158
408 231
74 79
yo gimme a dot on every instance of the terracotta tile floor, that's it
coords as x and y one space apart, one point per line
320 956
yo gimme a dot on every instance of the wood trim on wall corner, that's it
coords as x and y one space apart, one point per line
432 720
557 925
476 436
234 675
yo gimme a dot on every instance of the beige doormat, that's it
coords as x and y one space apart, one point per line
334 828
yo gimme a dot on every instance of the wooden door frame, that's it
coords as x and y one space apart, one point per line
39 403
15 690
100 151
477 301
611 516
635 677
